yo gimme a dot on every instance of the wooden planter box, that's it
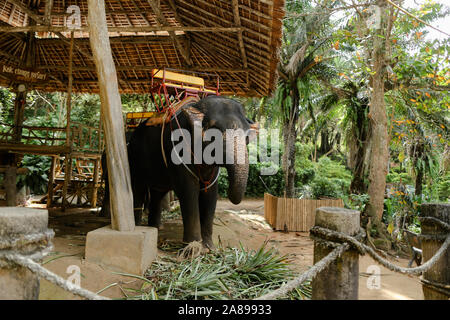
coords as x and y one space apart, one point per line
294 214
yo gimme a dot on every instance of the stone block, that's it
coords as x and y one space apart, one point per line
124 251
338 219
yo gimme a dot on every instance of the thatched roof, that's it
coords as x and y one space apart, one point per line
237 39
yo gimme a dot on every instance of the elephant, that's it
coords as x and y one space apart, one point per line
157 168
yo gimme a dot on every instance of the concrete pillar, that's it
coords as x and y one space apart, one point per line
18 283
340 280
437 279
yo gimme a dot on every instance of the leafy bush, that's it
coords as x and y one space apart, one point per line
304 167
332 179
324 187
443 188
356 201
396 176
36 179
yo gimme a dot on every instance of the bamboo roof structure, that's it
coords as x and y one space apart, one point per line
235 39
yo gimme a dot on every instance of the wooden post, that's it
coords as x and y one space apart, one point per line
19 109
68 158
51 180
95 183
435 281
116 152
340 280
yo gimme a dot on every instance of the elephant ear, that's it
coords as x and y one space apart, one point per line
194 115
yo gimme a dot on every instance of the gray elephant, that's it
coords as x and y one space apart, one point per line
159 164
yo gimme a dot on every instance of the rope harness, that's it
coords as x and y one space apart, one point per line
207 183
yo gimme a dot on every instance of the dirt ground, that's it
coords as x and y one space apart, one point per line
234 224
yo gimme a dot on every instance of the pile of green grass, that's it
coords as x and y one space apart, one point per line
226 273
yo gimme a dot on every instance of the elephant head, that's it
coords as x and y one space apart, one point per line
226 117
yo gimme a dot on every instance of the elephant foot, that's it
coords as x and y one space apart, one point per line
208 245
155 225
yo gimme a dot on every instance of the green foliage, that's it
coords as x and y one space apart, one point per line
332 179
6 105
36 179
304 167
356 201
399 177
442 187
258 184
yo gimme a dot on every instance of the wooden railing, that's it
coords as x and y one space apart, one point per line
46 136
84 138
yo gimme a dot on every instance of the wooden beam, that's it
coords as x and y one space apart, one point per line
237 22
33 15
145 68
59 29
180 21
48 11
34 149
122 11
38 18
162 21
122 39
122 217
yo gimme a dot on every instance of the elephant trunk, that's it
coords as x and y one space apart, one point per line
238 174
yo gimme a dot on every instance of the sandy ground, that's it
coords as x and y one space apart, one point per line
234 225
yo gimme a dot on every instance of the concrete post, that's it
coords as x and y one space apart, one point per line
340 280
436 280
17 225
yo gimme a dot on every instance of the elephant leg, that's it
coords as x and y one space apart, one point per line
155 208
139 196
146 209
106 210
207 205
187 192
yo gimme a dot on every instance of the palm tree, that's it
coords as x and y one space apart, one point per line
305 40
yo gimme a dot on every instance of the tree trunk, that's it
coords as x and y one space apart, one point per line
358 184
419 182
379 156
289 149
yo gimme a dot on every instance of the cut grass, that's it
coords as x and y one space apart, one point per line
226 273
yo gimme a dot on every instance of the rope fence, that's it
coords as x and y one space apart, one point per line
52 277
342 242
25 250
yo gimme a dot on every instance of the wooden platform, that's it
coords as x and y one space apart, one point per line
34 149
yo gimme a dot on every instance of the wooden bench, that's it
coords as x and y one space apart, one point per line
155 118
